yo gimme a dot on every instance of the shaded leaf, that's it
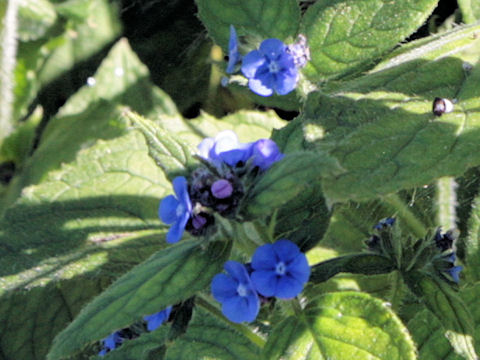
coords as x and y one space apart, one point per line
166 278
35 17
210 337
260 18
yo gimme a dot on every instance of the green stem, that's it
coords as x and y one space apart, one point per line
446 200
406 215
8 55
242 329
396 294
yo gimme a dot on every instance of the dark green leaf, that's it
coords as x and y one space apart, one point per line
345 36
166 278
210 337
260 18
343 325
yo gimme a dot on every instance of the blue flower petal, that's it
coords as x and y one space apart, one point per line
176 231
299 268
233 55
454 272
223 287
285 83
240 309
237 271
180 187
251 62
288 287
167 211
265 282
265 153
205 146
155 320
286 250
272 48
264 258
258 88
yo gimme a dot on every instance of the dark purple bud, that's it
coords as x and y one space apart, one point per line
198 221
222 189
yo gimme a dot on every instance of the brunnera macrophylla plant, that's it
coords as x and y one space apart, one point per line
348 230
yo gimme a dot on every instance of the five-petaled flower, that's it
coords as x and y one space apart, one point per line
270 69
157 319
110 343
176 210
279 269
235 291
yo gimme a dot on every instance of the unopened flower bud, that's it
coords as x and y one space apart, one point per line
222 189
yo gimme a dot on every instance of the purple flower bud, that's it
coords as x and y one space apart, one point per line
222 189
198 222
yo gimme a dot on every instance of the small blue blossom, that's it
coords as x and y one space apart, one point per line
157 319
387 222
110 343
235 291
234 56
176 210
279 269
270 69
265 152
453 271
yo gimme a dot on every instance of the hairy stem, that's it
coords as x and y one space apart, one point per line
8 41
446 198
404 213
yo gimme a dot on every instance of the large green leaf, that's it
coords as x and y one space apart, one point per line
345 36
382 130
166 278
210 337
260 18
343 325
92 114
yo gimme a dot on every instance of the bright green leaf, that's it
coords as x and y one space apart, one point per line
261 18
343 325
210 337
166 278
345 36
470 10
35 17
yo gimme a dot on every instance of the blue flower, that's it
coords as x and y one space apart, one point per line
176 210
234 56
387 222
265 152
235 291
279 269
225 148
453 271
110 343
270 69
157 319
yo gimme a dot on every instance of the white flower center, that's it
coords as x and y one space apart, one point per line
180 210
273 67
242 290
281 268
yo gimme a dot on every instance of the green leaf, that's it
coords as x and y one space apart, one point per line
35 17
343 325
293 174
448 307
92 114
344 36
367 264
429 334
261 18
211 337
172 156
470 10
166 278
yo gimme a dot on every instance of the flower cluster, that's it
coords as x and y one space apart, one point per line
217 186
116 339
277 270
445 243
273 68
